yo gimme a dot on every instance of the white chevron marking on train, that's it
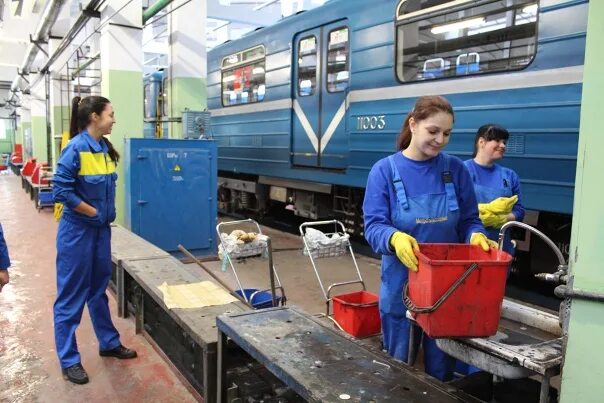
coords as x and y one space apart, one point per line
331 129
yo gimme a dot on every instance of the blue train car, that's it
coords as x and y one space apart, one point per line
301 110
155 113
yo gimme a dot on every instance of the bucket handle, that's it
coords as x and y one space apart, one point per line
428 309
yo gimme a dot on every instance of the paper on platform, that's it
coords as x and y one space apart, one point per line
195 295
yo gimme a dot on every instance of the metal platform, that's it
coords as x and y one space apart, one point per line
527 343
321 364
188 337
126 245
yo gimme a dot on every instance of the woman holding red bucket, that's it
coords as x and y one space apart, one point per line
497 188
418 194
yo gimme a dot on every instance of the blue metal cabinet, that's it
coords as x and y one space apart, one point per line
171 193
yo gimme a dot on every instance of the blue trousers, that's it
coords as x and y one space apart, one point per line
83 273
395 330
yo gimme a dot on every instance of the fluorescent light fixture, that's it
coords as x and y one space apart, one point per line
257 70
265 4
455 26
532 9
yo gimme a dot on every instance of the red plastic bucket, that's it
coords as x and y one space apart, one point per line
357 313
474 307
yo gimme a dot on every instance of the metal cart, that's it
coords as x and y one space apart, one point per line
319 250
259 248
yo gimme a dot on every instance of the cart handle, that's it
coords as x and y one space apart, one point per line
427 309
334 285
238 222
317 223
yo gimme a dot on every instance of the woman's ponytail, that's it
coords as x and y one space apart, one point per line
73 123
113 154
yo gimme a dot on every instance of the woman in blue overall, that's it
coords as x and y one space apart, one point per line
497 188
84 182
4 261
419 194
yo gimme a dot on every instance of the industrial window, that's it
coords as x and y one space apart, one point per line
3 131
149 99
307 66
437 38
337 60
163 95
243 77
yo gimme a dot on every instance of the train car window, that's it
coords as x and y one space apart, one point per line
307 66
444 38
337 60
243 77
148 98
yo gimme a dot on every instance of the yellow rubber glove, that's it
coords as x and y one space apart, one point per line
58 211
405 246
480 239
501 205
493 220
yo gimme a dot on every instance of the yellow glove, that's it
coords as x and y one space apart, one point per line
58 211
501 205
405 247
490 219
480 239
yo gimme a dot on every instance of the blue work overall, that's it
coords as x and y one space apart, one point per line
485 194
84 173
428 218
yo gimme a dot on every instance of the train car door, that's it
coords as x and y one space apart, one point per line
321 78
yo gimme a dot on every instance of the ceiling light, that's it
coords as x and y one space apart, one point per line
455 26
531 9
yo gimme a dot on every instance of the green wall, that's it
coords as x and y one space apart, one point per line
6 143
583 370
187 93
59 120
124 90
39 138
19 134
26 128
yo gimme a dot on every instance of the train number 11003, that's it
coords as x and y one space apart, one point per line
371 122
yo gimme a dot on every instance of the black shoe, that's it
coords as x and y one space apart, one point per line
120 352
76 374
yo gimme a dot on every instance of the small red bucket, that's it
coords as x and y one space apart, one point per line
474 307
357 313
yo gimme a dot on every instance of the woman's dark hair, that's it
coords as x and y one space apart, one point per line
81 109
424 108
490 132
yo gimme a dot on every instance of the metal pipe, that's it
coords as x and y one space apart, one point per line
154 9
88 62
47 20
564 291
535 231
49 139
271 272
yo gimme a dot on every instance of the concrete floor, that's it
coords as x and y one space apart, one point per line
296 272
29 369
